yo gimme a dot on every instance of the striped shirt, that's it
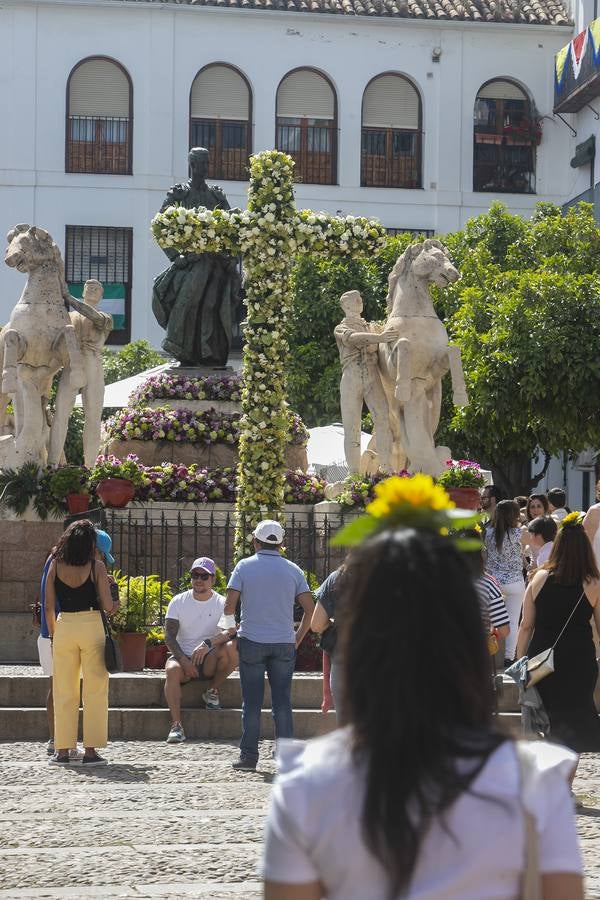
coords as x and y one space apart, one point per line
493 607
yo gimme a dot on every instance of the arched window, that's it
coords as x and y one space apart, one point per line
505 135
220 120
391 133
99 118
307 125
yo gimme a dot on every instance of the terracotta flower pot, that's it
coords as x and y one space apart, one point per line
116 492
78 503
465 497
156 656
133 650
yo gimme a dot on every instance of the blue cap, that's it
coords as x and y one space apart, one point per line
104 544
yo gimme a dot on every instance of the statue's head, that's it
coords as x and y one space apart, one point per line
29 247
93 291
351 302
198 162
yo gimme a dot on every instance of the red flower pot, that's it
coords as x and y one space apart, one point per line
464 497
133 650
78 503
156 656
116 492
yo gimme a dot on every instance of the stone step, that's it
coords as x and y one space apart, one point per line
129 724
145 691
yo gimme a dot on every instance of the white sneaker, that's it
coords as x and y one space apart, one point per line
211 698
176 735
50 747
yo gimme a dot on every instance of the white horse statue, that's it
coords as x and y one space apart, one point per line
38 341
412 368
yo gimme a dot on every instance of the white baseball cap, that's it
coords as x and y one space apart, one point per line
269 532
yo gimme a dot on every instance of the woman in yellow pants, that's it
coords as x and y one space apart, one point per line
79 582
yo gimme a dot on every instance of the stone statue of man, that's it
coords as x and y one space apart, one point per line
92 327
358 342
195 297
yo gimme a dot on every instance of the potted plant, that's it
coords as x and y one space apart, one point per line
462 480
115 480
18 487
69 484
156 649
142 599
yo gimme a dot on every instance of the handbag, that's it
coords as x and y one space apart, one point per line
542 664
531 883
328 639
112 651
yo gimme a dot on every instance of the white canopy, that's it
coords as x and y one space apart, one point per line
326 446
118 393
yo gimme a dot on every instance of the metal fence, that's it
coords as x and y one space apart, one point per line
165 544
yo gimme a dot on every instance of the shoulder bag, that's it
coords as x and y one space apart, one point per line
543 663
112 650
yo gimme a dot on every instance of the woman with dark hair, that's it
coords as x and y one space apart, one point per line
537 505
569 583
418 796
504 546
79 582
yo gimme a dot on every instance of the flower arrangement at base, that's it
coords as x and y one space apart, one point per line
303 488
461 473
186 484
413 502
181 425
170 386
359 490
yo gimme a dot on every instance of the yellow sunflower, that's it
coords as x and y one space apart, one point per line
420 491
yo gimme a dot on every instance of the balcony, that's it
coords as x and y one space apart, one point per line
98 146
577 71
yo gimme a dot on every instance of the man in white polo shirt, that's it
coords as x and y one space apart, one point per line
199 647
268 585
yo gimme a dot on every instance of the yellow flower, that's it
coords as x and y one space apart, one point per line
573 518
420 491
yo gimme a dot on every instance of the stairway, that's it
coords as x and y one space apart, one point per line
137 709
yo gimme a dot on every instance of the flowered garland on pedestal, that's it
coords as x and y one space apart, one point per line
269 234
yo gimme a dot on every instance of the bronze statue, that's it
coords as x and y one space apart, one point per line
195 298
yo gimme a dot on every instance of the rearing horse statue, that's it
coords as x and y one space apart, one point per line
38 340
412 368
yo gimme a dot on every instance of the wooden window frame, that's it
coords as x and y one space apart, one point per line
499 139
389 181
215 162
302 164
68 142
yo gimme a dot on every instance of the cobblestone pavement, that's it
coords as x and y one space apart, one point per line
161 821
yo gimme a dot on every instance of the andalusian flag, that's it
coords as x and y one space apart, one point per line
113 301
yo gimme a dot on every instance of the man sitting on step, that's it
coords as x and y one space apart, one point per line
199 647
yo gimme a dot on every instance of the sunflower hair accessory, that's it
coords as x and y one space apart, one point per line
573 518
415 502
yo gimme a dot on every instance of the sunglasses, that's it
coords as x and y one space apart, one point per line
204 576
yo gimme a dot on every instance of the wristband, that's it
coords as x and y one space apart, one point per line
208 643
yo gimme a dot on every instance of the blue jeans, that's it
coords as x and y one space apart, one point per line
278 661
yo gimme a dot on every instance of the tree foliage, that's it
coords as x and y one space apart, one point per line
526 314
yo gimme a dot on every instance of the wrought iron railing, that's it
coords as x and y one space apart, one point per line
390 158
229 145
100 146
313 149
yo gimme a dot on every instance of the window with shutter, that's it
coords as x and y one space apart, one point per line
391 133
220 120
104 254
505 135
99 118
307 125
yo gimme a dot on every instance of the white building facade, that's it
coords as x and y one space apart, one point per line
418 120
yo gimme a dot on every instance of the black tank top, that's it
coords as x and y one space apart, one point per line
75 599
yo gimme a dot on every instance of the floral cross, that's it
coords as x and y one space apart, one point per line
270 233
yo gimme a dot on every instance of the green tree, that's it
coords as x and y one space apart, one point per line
526 314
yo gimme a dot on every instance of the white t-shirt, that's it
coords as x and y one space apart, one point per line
198 619
314 826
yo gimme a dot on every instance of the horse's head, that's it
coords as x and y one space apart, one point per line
30 247
427 261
